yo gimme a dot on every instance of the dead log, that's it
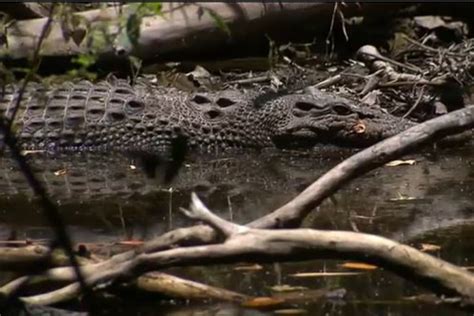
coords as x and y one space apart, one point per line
186 27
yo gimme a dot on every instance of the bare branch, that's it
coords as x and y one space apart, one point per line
199 211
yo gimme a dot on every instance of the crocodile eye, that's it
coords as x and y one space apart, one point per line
341 109
304 106
199 99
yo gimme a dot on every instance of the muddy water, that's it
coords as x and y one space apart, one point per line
106 199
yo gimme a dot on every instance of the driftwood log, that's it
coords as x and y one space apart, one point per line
189 27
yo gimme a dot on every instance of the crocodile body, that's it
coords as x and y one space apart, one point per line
119 117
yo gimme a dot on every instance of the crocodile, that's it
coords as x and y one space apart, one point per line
117 116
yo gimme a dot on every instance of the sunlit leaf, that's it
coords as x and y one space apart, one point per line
85 60
151 8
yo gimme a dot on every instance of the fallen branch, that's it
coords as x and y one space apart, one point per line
263 245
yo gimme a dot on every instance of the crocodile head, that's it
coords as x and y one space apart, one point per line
324 118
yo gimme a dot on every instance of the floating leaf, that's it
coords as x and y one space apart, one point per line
287 288
358 266
263 302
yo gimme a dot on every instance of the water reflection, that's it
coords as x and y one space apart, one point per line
105 199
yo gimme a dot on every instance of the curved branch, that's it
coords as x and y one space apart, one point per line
292 213
263 245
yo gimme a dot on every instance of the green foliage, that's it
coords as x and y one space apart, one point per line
149 8
134 19
133 28
6 76
85 60
219 21
73 26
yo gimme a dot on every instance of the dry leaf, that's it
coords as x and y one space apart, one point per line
263 302
358 266
395 163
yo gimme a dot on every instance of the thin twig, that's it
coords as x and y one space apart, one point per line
418 100
50 210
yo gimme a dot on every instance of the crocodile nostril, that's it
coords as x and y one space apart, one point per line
341 109
212 114
304 106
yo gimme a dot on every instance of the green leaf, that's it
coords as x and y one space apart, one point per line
133 28
85 60
152 8
219 21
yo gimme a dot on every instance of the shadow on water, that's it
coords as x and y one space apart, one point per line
108 198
